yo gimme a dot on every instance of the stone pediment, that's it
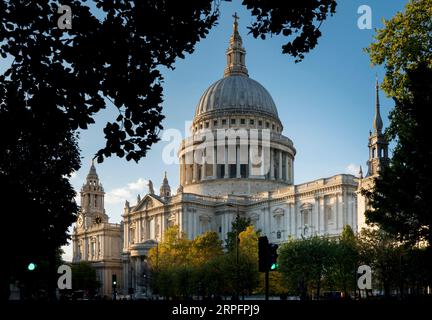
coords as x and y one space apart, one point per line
306 207
278 212
149 201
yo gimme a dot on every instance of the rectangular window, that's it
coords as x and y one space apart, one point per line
273 126
215 123
233 121
232 170
242 121
223 122
251 121
267 125
260 123
243 170
207 124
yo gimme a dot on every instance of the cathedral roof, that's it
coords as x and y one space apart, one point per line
377 123
236 92
92 175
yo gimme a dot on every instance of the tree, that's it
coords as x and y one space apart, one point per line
304 263
180 267
248 246
84 278
381 252
238 225
345 262
205 247
402 45
276 284
34 169
172 251
291 17
406 211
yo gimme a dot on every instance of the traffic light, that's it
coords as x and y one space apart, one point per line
31 266
267 255
273 255
263 246
114 281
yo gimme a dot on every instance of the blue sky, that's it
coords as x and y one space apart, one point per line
326 102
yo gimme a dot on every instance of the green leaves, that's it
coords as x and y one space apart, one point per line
404 43
318 263
300 19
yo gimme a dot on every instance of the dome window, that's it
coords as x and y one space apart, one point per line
273 126
267 125
207 124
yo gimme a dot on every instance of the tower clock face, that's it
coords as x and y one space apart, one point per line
80 220
98 220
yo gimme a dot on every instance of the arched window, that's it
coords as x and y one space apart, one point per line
93 248
306 216
80 253
373 152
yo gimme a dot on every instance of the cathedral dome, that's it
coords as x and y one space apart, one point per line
236 94
237 146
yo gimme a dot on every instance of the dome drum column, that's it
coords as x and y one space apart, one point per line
226 168
194 169
203 170
280 165
249 164
287 170
272 176
238 173
214 163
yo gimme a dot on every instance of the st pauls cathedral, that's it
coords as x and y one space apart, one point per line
212 193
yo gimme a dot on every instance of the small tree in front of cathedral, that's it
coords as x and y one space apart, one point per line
305 264
180 266
238 225
344 269
84 278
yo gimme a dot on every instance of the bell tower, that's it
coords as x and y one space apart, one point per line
378 145
96 240
378 159
92 199
165 189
